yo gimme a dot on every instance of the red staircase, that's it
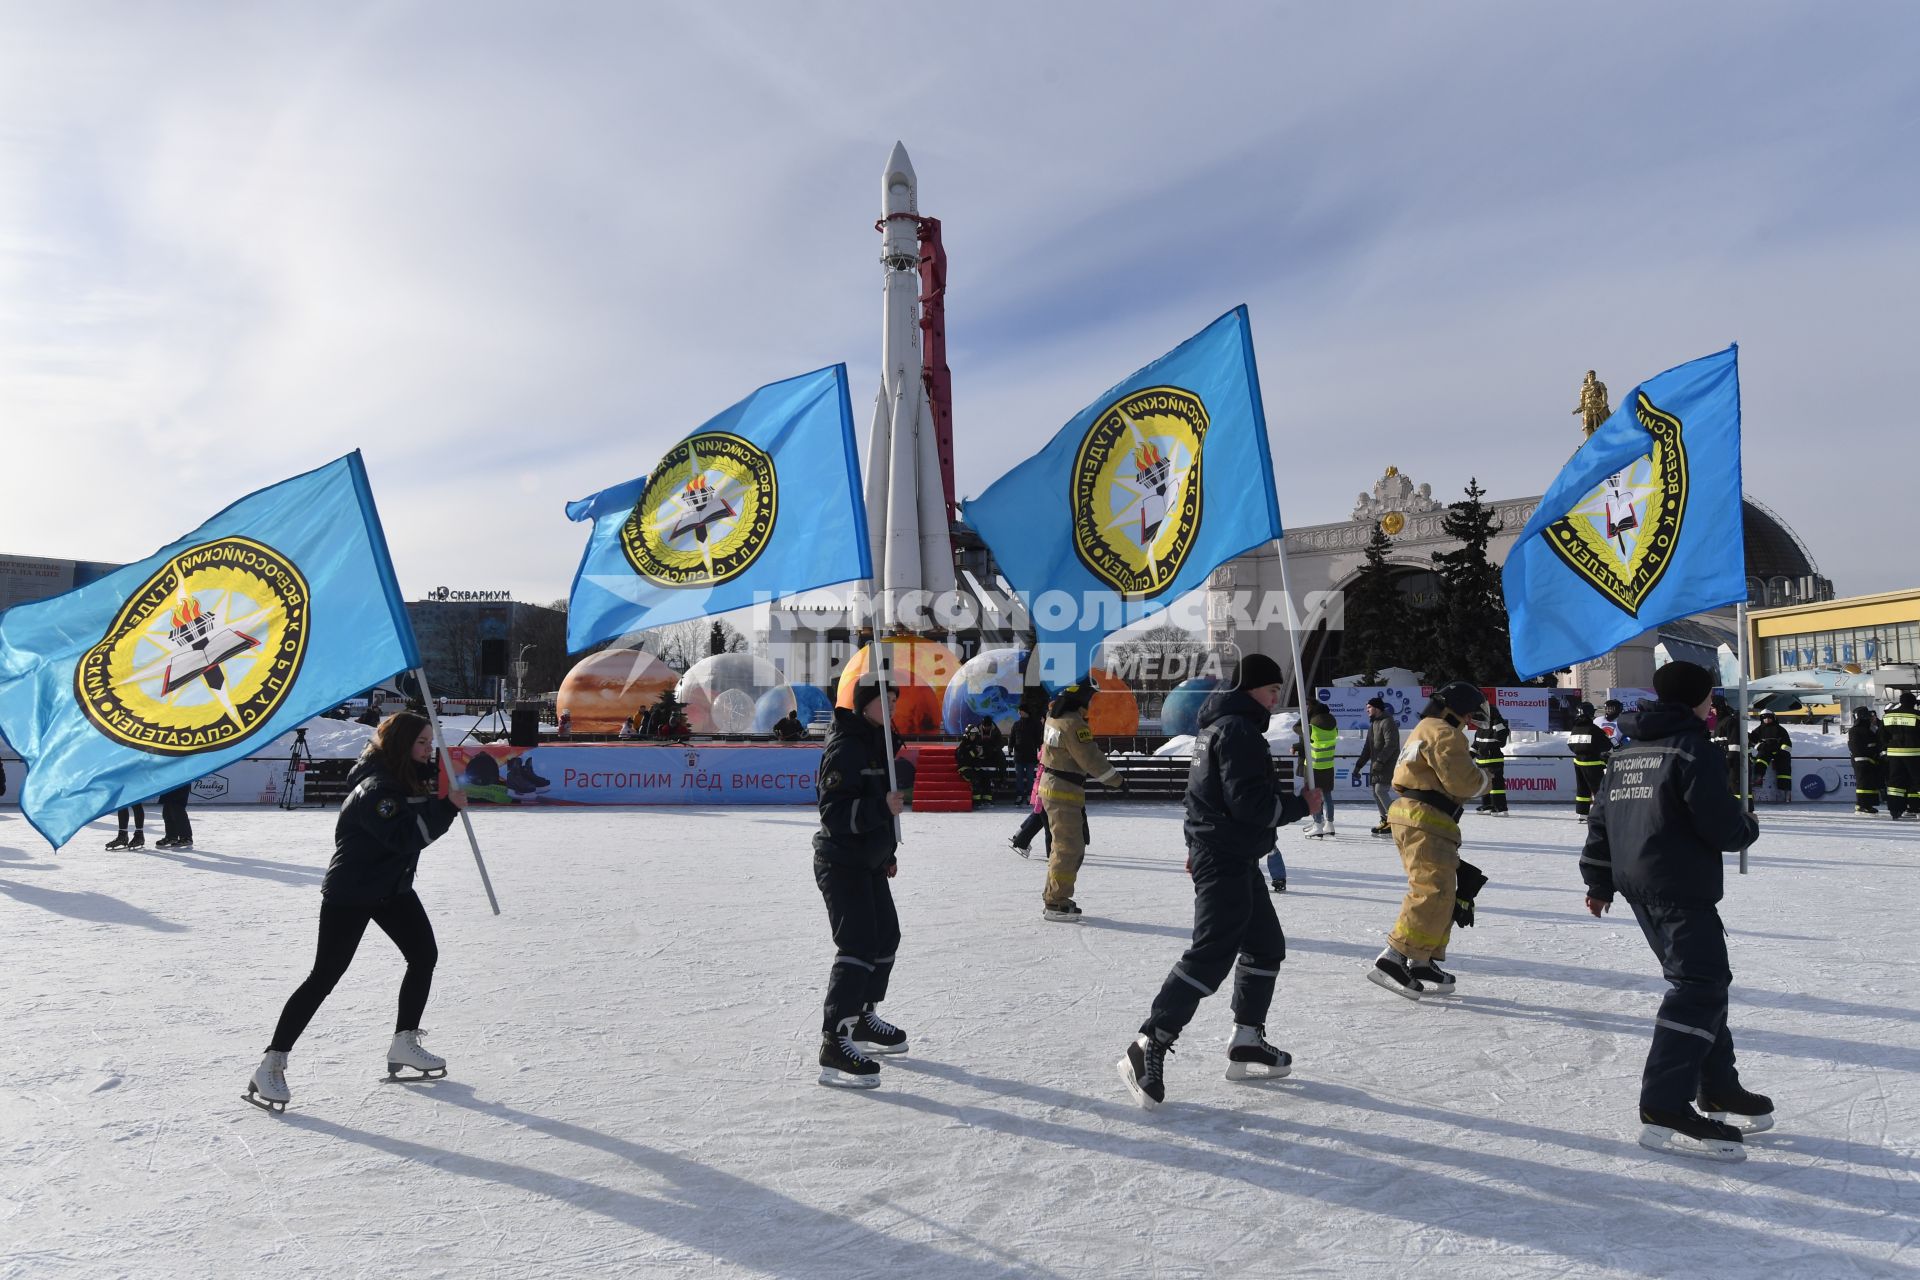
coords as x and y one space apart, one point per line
937 784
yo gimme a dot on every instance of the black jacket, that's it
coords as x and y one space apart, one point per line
855 828
1769 740
1026 739
1490 742
1234 803
788 728
1863 740
1664 814
379 835
1589 742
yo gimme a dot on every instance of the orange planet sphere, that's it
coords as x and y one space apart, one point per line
604 688
921 670
1114 712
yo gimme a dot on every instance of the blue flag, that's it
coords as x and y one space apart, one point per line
275 610
1138 498
1642 526
759 502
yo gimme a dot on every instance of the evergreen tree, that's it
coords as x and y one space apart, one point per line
1470 617
717 638
1379 625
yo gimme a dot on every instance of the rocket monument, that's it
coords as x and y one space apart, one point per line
909 452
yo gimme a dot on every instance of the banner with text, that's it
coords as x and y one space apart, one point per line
609 774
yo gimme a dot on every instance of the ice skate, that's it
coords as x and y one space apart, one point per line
268 1088
842 1064
1688 1133
875 1034
1066 913
138 841
118 842
1437 981
1013 843
1746 1111
1384 830
406 1051
526 768
164 842
1392 971
182 843
1318 831
1250 1057
1143 1069
1280 885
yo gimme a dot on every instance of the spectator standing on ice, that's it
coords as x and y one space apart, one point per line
1660 824
1318 738
1590 745
1869 761
1069 759
1900 730
1025 741
1434 779
1234 807
391 813
1773 754
853 859
1378 756
1490 753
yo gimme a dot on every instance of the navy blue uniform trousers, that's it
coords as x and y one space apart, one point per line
1235 928
1692 1048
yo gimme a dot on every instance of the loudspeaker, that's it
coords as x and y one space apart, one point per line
493 659
523 730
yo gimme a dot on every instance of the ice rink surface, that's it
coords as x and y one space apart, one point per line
632 1048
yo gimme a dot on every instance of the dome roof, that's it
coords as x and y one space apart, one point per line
1780 568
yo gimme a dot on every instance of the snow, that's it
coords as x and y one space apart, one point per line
633 1091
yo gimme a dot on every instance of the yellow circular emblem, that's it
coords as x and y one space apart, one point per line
1392 523
202 654
1136 489
706 514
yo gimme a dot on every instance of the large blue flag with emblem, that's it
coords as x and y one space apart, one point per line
273 611
1642 526
761 501
1138 498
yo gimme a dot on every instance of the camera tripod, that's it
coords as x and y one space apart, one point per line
293 789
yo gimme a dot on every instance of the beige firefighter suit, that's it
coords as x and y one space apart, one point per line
1436 758
1070 760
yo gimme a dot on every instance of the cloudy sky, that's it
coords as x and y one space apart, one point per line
512 250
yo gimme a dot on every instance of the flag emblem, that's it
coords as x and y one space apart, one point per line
1136 491
706 514
1620 538
202 653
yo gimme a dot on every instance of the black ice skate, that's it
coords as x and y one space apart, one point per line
164 842
1143 1068
1384 830
1436 980
118 842
875 1034
1280 885
1066 913
526 768
519 785
407 1053
1013 843
139 840
1250 1057
1745 1111
1392 971
1688 1133
842 1065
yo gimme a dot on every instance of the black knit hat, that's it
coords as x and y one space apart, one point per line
1687 683
1257 671
1380 703
863 693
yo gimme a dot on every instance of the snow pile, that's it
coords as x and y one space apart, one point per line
632 1049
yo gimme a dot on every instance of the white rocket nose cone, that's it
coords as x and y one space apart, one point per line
899 168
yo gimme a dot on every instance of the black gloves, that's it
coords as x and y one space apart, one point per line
1468 883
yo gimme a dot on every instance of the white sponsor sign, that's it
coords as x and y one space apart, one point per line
1524 708
1349 706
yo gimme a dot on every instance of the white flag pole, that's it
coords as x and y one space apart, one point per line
1746 769
446 762
876 668
1299 668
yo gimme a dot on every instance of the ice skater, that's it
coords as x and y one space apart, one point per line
391 813
1661 820
1377 757
1068 761
1234 806
138 840
1434 778
853 859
